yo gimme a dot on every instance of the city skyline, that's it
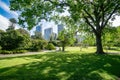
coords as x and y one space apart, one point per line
47 32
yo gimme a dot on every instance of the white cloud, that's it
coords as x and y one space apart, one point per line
7 9
116 22
4 23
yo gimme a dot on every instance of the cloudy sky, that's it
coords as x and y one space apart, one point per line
6 14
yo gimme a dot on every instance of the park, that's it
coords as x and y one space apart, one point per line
87 47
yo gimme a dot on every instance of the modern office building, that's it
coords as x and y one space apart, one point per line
39 28
47 33
49 30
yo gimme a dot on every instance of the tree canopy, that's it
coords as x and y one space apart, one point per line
96 13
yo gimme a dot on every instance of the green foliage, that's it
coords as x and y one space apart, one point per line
0 47
12 24
95 13
37 35
65 38
12 51
38 45
26 38
13 20
13 39
89 39
54 42
50 46
117 37
110 36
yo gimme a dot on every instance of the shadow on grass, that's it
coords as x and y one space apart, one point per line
114 48
62 66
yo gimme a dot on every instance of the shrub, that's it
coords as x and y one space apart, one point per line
50 46
12 52
6 52
13 39
0 47
19 51
38 45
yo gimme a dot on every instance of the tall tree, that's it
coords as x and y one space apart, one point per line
96 13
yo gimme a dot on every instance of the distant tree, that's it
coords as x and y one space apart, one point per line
37 35
117 37
1 32
23 31
89 39
65 38
109 36
12 24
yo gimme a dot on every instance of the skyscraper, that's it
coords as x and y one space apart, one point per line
38 28
47 33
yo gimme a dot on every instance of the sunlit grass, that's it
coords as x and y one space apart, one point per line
74 64
81 50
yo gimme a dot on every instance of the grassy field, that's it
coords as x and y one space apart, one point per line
70 65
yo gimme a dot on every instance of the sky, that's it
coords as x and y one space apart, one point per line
6 14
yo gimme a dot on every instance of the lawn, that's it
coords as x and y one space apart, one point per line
70 65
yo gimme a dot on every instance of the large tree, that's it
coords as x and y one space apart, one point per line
96 13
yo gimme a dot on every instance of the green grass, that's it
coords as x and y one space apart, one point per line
70 65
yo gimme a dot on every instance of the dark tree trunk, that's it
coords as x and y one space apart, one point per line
63 47
99 44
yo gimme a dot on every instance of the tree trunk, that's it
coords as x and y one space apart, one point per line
63 47
99 46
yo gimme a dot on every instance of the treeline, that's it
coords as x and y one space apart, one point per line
19 41
110 38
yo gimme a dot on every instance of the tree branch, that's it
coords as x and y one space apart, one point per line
60 4
89 15
116 7
88 22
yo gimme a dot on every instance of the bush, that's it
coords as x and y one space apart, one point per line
19 51
35 45
6 52
13 39
12 52
50 46
0 47
38 45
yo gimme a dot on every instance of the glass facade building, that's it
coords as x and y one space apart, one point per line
38 28
47 33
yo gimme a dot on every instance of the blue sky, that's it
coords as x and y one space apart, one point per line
6 13
5 10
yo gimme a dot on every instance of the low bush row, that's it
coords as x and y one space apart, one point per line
38 45
12 51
